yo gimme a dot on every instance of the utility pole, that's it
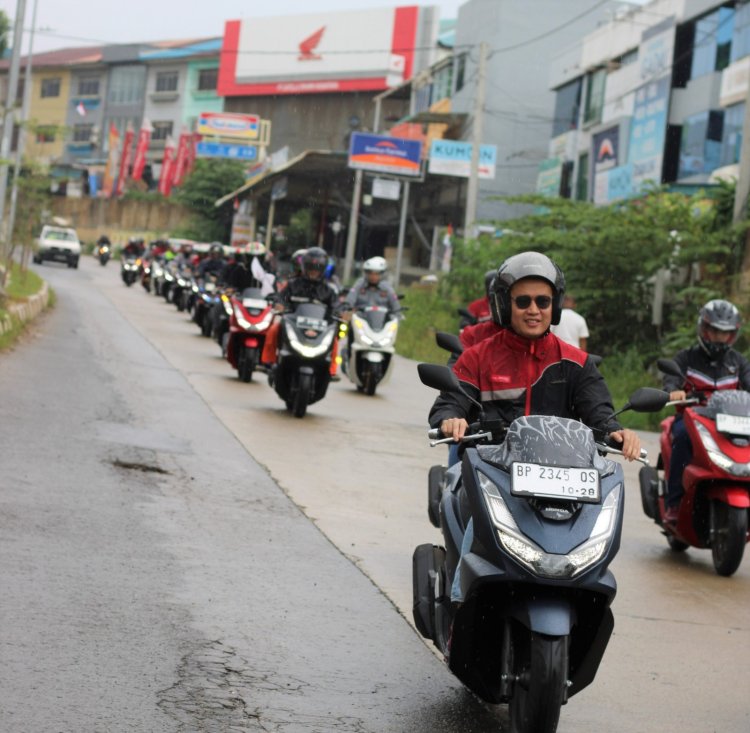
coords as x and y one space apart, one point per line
472 188
742 191
25 114
15 63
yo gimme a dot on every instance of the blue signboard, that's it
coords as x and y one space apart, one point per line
648 131
385 154
453 158
206 149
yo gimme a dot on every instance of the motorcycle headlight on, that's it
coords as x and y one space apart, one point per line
531 555
717 456
307 350
382 340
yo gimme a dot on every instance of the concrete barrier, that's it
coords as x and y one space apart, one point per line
24 311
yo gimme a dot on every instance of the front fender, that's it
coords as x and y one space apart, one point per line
549 616
731 494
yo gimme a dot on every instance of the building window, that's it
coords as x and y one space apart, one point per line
161 131
595 84
460 72
127 85
712 42
701 142
88 86
82 133
567 107
207 80
45 134
731 144
582 182
741 32
51 87
442 83
166 81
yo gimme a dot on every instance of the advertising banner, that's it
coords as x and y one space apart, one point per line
549 178
224 124
605 154
127 149
141 149
453 158
356 50
181 161
167 168
205 149
108 182
648 132
385 154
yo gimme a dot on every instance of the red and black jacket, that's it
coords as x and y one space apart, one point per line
731 371
513 376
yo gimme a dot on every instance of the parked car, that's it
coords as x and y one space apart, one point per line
59 244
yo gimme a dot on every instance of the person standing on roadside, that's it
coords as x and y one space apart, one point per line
572 327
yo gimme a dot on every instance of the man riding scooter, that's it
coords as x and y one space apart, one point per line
709 365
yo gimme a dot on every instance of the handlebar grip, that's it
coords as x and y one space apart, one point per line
434 434
644 453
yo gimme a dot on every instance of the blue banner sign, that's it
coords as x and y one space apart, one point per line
385 154
206 149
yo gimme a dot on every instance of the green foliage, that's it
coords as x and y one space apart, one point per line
428 312
299 233
209 180
611 256
4 32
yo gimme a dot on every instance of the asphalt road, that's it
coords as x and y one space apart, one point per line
161 571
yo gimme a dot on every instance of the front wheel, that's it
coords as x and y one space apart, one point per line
728 536
246 366
540 665
302 395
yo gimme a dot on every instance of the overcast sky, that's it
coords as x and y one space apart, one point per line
62 23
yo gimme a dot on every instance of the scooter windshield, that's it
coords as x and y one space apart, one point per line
726 402
376 317
547 440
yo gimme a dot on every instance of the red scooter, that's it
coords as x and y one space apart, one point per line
248 324
714 509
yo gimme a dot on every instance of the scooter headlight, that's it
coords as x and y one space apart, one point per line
307 350
717 456
531 555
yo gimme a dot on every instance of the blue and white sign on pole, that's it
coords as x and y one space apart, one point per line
453 158
206 149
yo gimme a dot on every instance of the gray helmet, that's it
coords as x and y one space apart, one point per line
522 266
723 316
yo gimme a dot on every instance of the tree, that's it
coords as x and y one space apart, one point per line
209 180
4 28
613 256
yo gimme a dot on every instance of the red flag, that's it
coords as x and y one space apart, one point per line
141 149
108 182
167 168
181 162
127 149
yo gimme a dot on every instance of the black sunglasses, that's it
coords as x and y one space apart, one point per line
524 301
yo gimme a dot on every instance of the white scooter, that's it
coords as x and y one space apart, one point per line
370 344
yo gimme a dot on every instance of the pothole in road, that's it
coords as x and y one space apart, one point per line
134 466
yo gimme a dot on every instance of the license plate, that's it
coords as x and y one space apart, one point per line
733 424
312 324
555 482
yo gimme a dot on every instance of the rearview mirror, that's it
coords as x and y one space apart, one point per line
646 399
438 377
449 342
669 366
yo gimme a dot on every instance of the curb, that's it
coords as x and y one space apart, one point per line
26 310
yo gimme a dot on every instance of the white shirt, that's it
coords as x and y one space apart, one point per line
572 327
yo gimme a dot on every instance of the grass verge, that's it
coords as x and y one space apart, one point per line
20 286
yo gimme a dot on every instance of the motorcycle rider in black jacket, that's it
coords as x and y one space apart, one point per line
709 365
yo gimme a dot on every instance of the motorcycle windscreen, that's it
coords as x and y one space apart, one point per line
546 440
